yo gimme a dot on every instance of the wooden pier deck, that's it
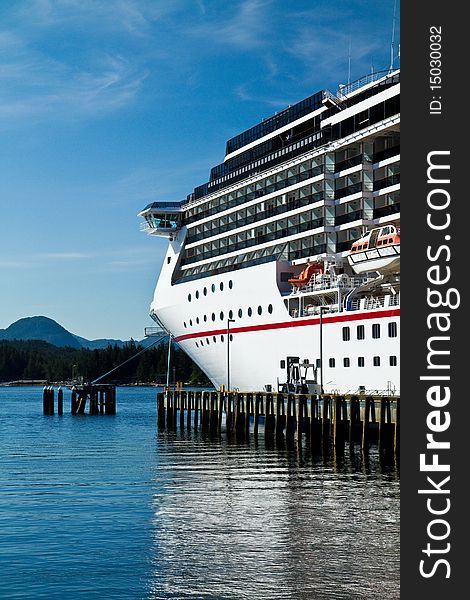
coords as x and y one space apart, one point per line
317 420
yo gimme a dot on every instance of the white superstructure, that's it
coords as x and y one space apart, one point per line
256 269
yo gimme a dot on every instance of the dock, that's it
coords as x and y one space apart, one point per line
319 420
100 399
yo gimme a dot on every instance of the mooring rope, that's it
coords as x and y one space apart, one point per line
128 360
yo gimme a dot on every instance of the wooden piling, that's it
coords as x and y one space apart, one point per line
315 422
73 402
269 416
280 415
197 401
290 417
239 414
355 423
160 409
189 408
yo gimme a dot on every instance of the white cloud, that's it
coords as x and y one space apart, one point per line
247 28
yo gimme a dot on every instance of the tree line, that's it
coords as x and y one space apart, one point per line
35 359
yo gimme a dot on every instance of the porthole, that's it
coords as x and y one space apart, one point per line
205 318
231 337
197 320
221 286
185 326
215 339
204 291
202 343
197 345
213 287
191 322
230 284
230 314
240 313
270 309
260 310
213 316
197 294
189 297
376 361
221 316
250 311
221 338
207 341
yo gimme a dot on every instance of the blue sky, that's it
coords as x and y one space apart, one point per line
107 105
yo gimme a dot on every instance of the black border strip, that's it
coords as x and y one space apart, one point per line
439 127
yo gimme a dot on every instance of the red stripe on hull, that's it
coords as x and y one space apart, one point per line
295 323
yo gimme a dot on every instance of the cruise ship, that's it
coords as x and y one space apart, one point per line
283 271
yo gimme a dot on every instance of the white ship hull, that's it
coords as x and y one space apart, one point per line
261 341
236 290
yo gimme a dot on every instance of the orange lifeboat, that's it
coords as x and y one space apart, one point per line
304 276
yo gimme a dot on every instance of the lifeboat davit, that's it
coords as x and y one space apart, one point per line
378 250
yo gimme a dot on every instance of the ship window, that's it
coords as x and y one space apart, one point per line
346 362
260 310
213 287
361 334
204 291
230 314
332 363
221 286
376 361
185 324
230 284
197 294
376 330
221 316
197 345
221 338
346 334
191 322
207 341
270 309
360 361
318 363
202 343
215 339
393 361
392 329
213 316
231 337
168 260
250 311
197 320
240 313
189 297
205 318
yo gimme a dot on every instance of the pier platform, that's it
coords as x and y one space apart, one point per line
316 419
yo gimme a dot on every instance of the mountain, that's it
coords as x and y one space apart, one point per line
40 328
48 330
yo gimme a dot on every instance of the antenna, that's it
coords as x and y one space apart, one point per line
349 61
393 36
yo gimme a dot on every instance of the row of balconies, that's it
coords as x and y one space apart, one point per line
297 178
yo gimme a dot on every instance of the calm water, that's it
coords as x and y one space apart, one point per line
109 507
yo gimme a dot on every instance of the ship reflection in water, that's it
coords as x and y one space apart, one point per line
245 521
109 507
